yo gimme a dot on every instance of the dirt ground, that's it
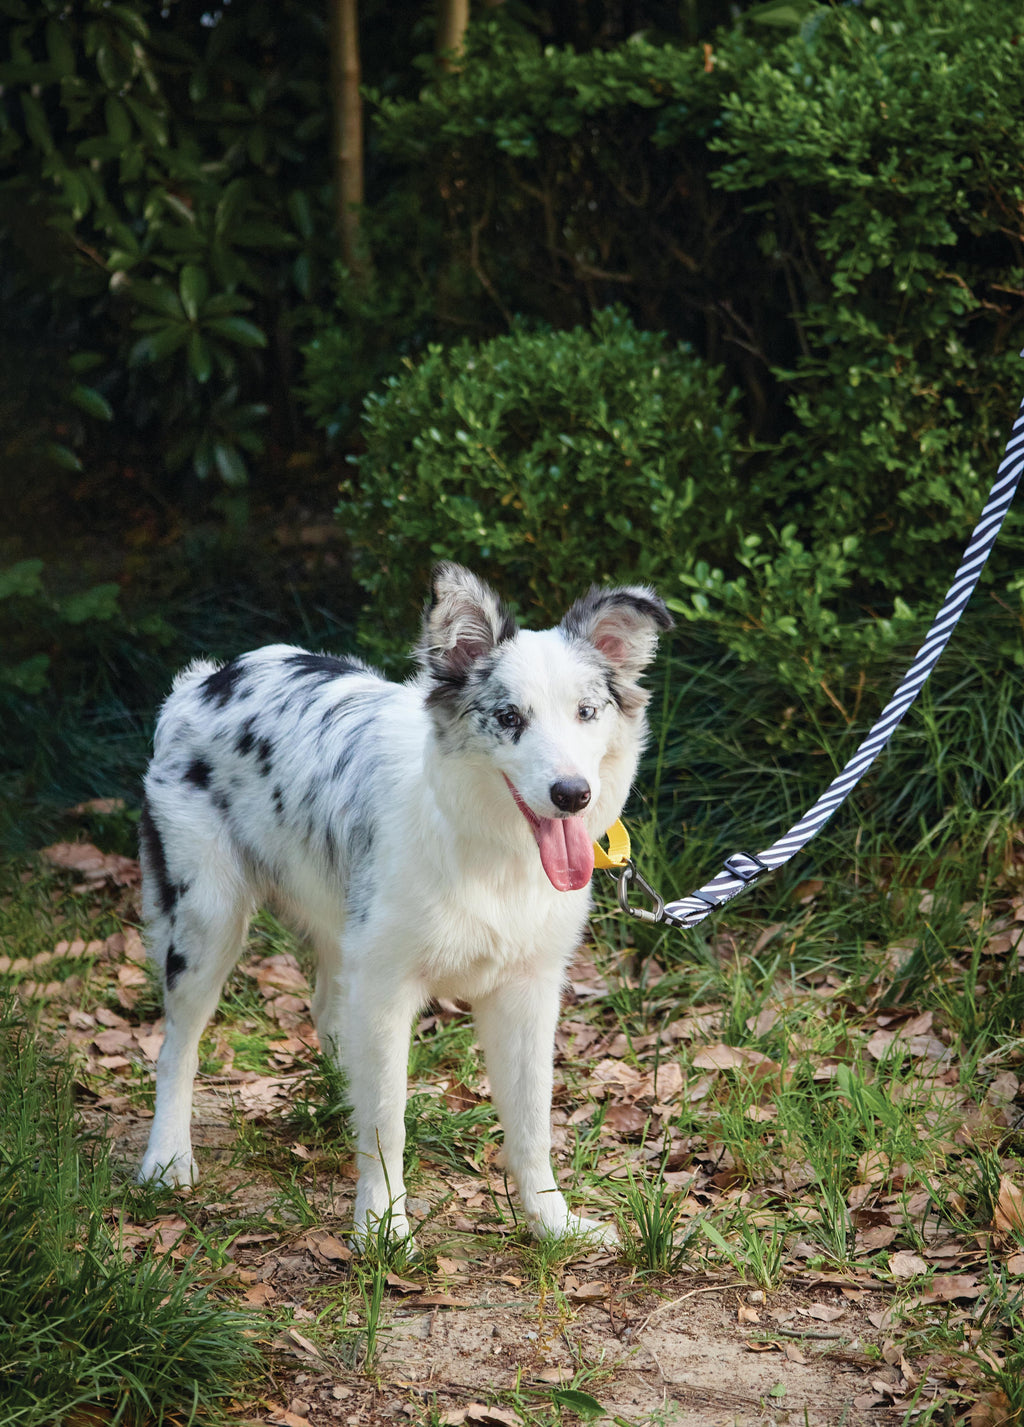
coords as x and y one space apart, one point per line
696 1349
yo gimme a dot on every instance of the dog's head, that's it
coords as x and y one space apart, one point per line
559 713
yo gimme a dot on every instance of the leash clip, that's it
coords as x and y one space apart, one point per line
624 879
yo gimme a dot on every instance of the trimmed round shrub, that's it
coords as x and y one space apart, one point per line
546 461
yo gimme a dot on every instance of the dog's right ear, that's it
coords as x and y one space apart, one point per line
462 622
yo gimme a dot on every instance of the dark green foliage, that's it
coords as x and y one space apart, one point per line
163 179
544 460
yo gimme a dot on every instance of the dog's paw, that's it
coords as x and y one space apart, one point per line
376 1234
590 1232
596 1233
178 1172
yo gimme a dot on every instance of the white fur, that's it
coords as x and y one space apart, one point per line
377 816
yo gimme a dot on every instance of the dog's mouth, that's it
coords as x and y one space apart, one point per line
566 851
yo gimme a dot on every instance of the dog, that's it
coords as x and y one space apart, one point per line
432 838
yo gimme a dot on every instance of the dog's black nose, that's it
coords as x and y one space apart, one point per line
570 795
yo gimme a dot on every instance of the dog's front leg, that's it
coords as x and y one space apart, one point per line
516 1024
366 1025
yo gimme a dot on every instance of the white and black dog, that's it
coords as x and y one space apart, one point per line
432 838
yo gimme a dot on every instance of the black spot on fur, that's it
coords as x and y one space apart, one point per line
265 756
614 692
222 686
222 802
277 798
156 857
322 668
246 740
174 965
198 773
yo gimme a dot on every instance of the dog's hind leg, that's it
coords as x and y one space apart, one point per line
516 1024
196 942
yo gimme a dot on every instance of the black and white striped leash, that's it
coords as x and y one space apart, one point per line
744 868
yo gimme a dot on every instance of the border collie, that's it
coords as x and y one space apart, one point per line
431 838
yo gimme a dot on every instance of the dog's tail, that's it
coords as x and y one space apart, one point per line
174 719
192 674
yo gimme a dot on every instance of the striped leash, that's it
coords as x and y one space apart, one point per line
744 868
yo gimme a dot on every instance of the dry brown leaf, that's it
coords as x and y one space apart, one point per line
1009 1215
879 1237
904 1264
260 1294
945 1287
95 866
330 1247
477 1412
402 1285
873 1166
991 1409
626 1119
282 1417
595 1292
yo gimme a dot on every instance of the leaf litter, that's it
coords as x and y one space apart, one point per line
876 1310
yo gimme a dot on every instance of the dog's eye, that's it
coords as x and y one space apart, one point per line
510 718
587 712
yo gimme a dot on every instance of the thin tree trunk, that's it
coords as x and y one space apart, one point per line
348 134
452 19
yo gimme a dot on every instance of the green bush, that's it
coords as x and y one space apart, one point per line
832 210
543 460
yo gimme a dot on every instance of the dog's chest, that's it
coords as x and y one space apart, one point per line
471 942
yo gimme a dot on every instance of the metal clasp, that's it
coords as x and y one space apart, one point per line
626 879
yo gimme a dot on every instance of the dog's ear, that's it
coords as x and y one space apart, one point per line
623 624
464 620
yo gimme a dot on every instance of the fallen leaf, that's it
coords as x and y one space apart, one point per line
991 1409
945 1287
477 1412
402 1285
95 866
904 1264
259 1295
1009 1215
586 1292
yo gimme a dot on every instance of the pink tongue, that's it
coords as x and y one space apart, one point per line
566 852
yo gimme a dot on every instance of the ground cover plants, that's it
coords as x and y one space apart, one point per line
805 1118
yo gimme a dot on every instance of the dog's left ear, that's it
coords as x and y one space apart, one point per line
462 622
623 624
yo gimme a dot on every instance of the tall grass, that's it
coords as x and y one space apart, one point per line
84 1325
